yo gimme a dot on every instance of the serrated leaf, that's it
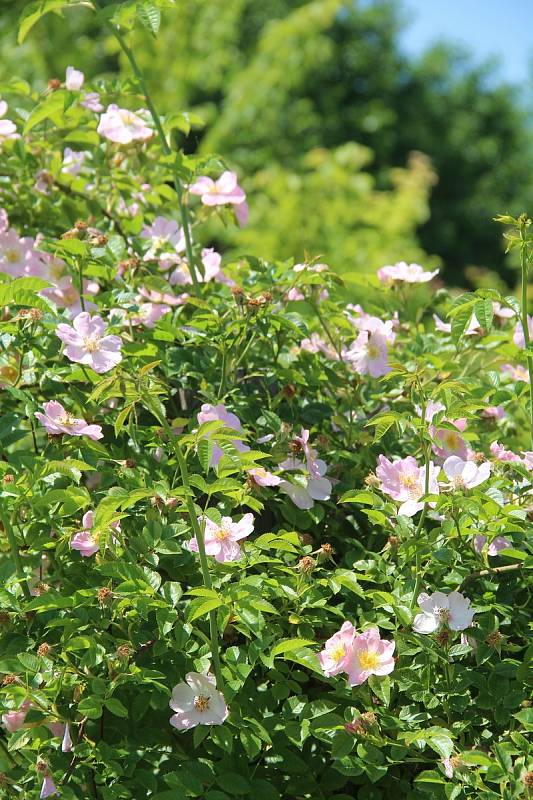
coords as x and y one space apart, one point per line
116 707
484 314
150 16
122 418
205 453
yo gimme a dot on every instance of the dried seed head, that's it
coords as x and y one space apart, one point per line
41 588
326 549
8 478
80 225
44 650
306 564
70 234
528 780
41 766
393 540
456 762
53 84
354 728
124 651
99 240
290 390
372 480
443 637
104 595
495 639
368 720
9 679
305 538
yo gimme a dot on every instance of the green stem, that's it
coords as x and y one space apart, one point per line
422 519
524 258
80 274
165 146
199 534
327 331
15 555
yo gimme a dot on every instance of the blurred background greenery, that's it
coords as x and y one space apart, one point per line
350 149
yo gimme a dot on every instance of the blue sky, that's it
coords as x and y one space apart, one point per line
486 27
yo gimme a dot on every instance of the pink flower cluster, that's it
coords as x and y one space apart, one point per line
122 126
357 655
405 273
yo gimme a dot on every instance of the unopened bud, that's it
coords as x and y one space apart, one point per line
53 84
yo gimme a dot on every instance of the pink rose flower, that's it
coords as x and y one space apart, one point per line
368 355
306 491
497 544
65 295
502 313
222 541
56 421
197 702
437 609
209 413
8 129
518 373
122 126
473 328
91 100
494 412
87 343
449 442
84 541
262 477
316 344
369 655
48 788
66 743
337 651
13 720
74 79
155 297
499 452
405 273
221 192
518 337
166 239
404 481
465 474
73 161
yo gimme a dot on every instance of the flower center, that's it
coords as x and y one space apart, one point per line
458 482
443 614
70 296
222 533
201 702
412 484
372 350
368 660
91 343
11 255
67 419
452 440
128 118
338 653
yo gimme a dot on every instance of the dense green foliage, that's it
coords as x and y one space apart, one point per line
277 80
209 465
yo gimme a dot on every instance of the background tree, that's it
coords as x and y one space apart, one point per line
276 80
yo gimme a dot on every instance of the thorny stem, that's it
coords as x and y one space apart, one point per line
80 273
524 263
165 146
199 534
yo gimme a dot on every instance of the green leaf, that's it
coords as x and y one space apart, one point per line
150 16
205 453
484 314
286 645
363 497
122 417
33 13
381 687
52 105
199 609
90 707
116 707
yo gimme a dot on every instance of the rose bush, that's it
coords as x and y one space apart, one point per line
256 540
